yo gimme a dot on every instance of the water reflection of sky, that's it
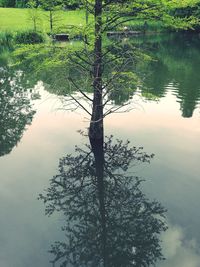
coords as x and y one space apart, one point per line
172 177
178 250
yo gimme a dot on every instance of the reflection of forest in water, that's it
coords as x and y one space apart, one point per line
15 109
108 219
176 67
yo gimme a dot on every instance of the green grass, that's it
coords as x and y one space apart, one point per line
17 19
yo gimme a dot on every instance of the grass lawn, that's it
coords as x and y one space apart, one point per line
16 19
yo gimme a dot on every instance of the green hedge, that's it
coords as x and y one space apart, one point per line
29 37
6 39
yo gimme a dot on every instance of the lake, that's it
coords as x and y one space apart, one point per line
36 131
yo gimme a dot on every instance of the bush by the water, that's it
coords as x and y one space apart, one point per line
29 37
6 39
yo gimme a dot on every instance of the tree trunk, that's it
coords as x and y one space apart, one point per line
96 123
96 133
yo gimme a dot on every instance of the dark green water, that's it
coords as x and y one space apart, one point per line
36 133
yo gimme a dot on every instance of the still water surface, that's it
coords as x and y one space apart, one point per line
35 135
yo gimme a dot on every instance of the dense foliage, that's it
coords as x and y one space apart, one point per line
29 37
5 40
187 11
69 4
13 3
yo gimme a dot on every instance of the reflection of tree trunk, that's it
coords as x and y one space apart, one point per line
96 124
97 149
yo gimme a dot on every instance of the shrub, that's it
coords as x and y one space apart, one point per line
29 37
6 39
7 3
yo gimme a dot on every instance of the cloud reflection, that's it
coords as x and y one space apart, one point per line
178 250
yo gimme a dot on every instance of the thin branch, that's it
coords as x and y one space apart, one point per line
78 102
76 86
114 110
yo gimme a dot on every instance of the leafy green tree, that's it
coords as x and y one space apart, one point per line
34 15
102 65
108 15
51 6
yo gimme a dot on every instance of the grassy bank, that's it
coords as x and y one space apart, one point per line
17 19
16 26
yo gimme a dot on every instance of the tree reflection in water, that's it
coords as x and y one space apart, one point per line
108 219
15 109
